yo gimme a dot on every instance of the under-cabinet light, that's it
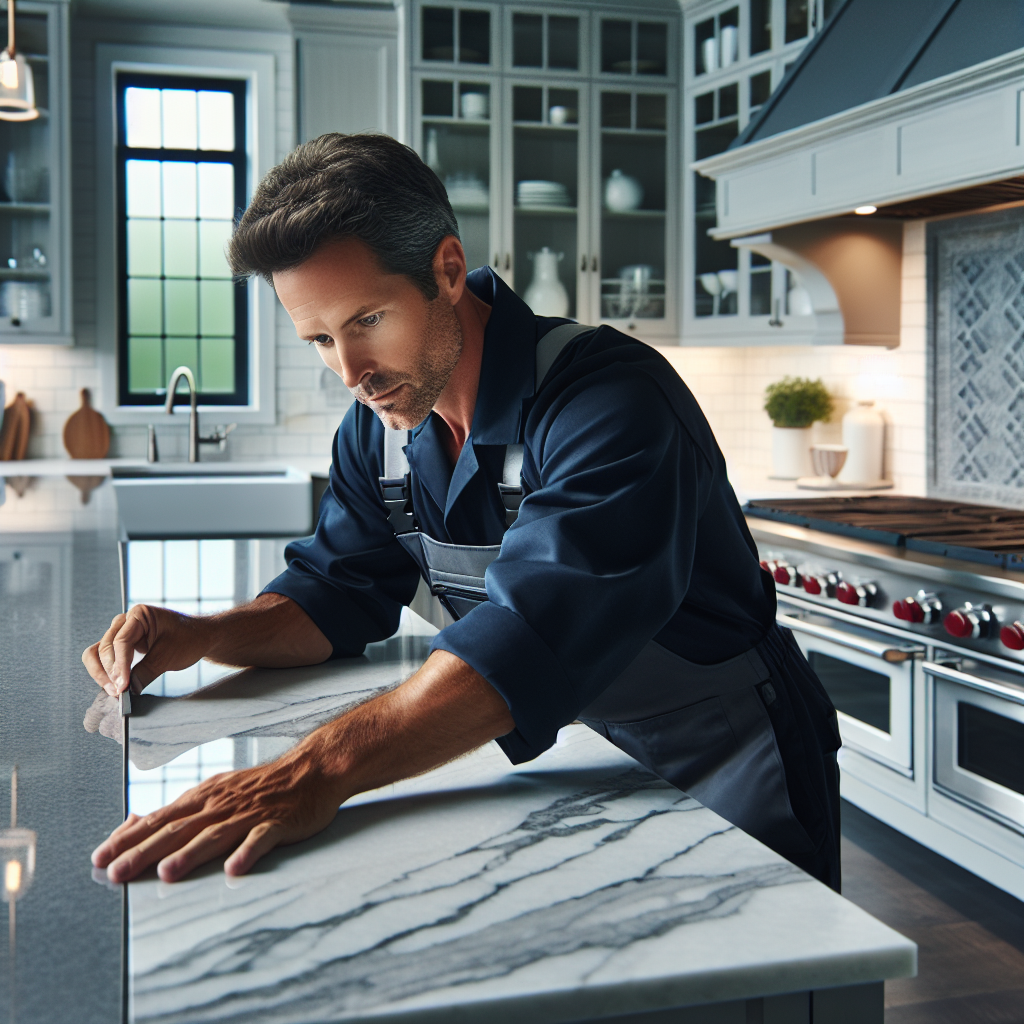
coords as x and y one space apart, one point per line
865 210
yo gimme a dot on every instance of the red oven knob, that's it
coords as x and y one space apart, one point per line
820 583
1012 636
908 610
921 608
969 622
862 594
786 575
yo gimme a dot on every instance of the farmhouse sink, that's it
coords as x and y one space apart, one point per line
213 500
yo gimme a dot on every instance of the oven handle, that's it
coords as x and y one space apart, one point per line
887 652
953 675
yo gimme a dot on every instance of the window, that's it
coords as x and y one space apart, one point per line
181 180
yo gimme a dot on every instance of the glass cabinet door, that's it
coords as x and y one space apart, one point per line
545 189
634 196
455 141
29 247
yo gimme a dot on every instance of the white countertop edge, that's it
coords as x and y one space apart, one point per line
594 1002
103 467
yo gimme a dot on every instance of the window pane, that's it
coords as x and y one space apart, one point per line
217 304
615 111
217 191
760 88
217 364
181 352
475 37
437 99
527 103
704 108
761 293
564 43
796 20
216 120
705 46
729 100
478 107
145 364
179 118
145 308
651 48
144 248
181 313
142 188
179 189
760 26
616 46
213 239
527 40
180 248
438 33
651 112
142 118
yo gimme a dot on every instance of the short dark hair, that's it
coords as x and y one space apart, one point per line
364 186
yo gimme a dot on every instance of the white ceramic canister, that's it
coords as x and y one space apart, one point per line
791 452
622 192
864 436
546 295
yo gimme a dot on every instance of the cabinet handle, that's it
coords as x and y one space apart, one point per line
593 264
508 261
583 263
497 261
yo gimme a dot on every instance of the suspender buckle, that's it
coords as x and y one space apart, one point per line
511 498
397 495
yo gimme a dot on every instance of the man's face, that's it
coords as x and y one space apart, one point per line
394 349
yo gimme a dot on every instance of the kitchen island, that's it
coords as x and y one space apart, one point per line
575 887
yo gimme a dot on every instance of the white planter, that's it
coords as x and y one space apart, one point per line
791 452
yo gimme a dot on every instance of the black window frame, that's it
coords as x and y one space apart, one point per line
239 159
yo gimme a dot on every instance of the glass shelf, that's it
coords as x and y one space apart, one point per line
24 207
26 274
547 211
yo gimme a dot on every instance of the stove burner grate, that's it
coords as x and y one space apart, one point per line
953 529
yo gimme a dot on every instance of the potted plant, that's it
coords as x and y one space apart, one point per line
793 404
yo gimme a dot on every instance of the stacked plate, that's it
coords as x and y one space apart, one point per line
541 193
466 190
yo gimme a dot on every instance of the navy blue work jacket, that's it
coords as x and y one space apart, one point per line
629 532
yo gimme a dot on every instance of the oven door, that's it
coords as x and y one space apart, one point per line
870 678
979 740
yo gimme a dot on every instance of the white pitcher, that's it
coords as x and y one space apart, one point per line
546 295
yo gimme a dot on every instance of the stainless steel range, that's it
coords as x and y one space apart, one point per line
911 611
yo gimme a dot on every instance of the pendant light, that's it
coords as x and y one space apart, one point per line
17 92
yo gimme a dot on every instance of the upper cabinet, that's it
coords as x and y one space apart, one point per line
735 55
35 228
554 132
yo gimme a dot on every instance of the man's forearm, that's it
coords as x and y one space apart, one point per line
443 711
270 632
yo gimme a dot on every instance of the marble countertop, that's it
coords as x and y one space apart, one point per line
575 886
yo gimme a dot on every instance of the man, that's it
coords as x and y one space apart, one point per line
626 592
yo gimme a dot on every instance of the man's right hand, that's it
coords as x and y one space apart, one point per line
168 640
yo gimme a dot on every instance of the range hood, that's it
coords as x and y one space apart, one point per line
915 143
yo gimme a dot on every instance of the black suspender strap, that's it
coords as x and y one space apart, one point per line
396 484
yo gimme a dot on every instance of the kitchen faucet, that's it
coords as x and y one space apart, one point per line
194 440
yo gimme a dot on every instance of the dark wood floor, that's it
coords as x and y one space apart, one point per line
970 935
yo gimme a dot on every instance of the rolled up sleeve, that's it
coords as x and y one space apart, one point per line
599 558
352 576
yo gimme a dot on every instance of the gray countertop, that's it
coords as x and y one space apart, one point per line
575 886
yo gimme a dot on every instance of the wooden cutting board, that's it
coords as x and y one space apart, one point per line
15 430
86 434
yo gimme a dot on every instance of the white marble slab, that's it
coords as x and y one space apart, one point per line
576 886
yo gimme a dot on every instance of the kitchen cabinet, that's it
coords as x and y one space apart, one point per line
735 55
35 205
527 112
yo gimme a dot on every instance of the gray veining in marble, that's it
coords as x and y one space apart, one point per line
577 885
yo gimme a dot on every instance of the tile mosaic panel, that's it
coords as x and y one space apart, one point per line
977 358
